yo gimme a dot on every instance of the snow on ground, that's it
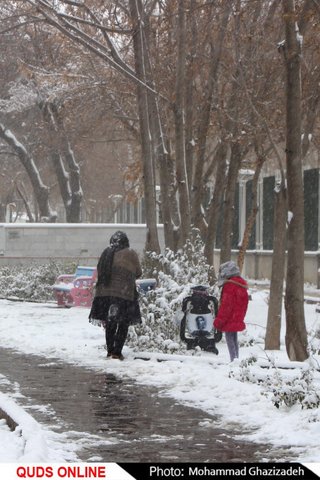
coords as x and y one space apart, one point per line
204 380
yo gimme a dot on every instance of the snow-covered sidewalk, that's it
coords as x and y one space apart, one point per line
203 380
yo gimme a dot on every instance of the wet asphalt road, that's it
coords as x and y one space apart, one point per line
116 420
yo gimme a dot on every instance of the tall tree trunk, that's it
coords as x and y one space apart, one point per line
152 240
203 130
162 160
179 116
41 191
229 201
189 100
253 214
216 201
3 208
21 192
74 210
296 335
272 338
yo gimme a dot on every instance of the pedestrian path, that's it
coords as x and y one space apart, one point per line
112 420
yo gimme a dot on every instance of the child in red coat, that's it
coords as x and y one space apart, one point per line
233 305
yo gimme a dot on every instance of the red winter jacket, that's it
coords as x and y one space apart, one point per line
233 306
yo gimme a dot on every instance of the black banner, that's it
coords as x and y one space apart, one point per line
199 471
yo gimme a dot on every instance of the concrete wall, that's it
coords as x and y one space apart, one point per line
83 243
39 242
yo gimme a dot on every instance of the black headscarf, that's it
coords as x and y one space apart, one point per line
118 241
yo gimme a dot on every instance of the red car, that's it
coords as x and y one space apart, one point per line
77 290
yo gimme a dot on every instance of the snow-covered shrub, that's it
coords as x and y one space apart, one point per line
31 282
186 266
244 372
245 339
176 273
314 341
298 390
158 332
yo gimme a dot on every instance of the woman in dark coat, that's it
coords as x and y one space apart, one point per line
233 305
115 304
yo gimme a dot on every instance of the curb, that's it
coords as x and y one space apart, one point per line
11 423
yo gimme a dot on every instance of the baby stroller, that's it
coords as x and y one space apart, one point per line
196 327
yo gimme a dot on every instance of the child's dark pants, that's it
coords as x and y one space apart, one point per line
232 343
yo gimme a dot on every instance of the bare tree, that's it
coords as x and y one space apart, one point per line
199 79
179 114
216 202
79 23
152 242
236 115
41 191
272 338
254 210
24 197
216 49
61 153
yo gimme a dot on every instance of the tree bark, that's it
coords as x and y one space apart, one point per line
228 206
21 192
272 338
3 207
216 202
296 335
61 152
74 207
253 214
179 116
190 100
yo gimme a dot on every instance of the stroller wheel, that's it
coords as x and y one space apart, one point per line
217 336
212 348
190 345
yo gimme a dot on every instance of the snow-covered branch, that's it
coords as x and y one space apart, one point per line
41 191
63 23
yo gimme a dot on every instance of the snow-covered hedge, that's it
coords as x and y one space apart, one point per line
31 282
300 389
